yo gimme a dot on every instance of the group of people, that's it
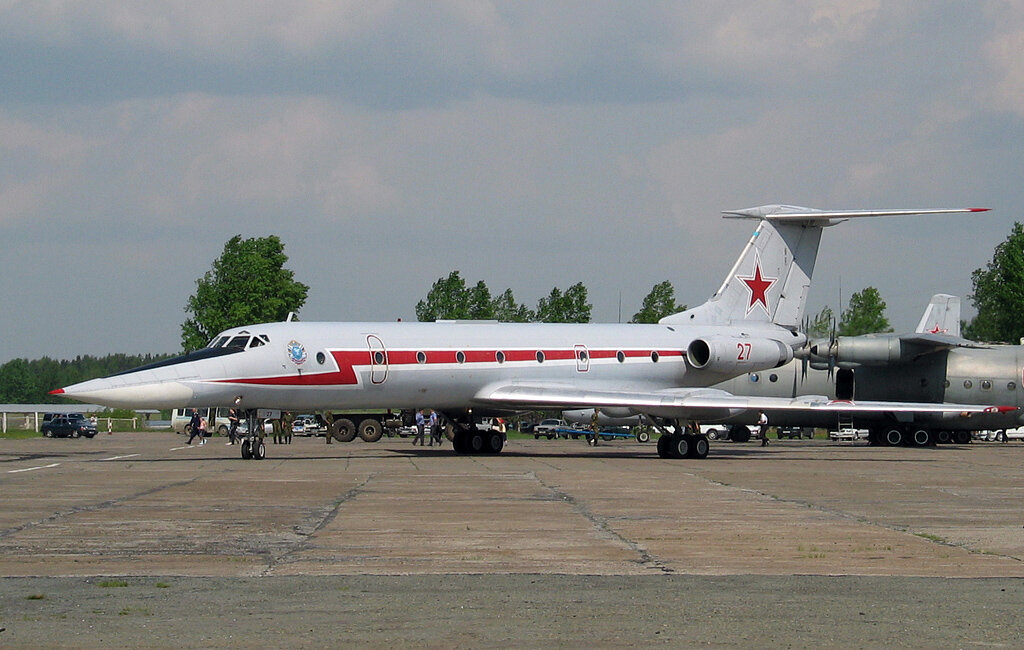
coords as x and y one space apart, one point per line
422 422
198 427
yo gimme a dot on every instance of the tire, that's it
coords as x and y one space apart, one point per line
477 443
495 442
259 450
943 437
246 450
664 441
893 436
74 434
370 430
643 436
962 437
921 437
682 446
739 433
700 447
188 429
712 434
222 430
343 430
48 433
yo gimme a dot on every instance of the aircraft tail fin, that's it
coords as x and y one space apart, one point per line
771 278
942 316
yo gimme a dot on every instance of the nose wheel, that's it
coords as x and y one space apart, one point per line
253 449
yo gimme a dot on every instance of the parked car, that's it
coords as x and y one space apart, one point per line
72 425
306 425
548 428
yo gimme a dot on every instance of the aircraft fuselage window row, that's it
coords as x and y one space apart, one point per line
379 357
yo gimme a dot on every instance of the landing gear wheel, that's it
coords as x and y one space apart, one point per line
664 441
739 433
921 437
246 450
962 437
682 445
943 437
700 447
643 436
495 442
259 450
893 436
370 430
476 442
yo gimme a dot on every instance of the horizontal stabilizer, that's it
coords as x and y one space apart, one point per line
796 213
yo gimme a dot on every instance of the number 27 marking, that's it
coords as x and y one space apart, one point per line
744 351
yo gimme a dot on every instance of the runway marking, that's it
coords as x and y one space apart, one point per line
184 447
29 469
119 457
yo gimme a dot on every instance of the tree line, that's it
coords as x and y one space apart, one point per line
30 382
249 284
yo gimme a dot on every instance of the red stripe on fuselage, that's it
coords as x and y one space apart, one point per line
349 360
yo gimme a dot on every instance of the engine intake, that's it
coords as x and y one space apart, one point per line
737 354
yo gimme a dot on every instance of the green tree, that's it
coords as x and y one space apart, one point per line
17 384
999 293
507 310
447 299
248 284
568 307
866 314
660 302
480 305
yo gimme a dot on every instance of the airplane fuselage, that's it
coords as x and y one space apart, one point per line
306 366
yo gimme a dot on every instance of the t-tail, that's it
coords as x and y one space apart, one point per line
771 279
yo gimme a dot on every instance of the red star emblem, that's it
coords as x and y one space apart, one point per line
758 286
937 330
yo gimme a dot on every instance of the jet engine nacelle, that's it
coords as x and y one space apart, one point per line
863 350
731 354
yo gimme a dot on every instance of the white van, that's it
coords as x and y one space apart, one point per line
180 419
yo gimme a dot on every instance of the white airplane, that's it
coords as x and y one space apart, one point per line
469 370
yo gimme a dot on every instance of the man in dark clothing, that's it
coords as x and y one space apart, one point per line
195 427
233 426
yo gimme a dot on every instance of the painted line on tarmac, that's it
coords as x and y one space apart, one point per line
185 447
30 469
118 457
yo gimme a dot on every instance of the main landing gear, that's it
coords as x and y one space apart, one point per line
682 442
467 438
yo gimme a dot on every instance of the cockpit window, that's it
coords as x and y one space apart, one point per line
255 342
218 342
238 342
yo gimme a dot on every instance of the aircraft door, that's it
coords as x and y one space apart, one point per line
844 383
378 359
582 358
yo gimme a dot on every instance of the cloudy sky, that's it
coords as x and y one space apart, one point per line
526 144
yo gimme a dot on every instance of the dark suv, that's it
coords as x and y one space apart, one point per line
68 426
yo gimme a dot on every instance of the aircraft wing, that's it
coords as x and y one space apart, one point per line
698 403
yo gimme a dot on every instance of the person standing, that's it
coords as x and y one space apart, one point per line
762 428
595 428
232 426
421 424
435 428
202 431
